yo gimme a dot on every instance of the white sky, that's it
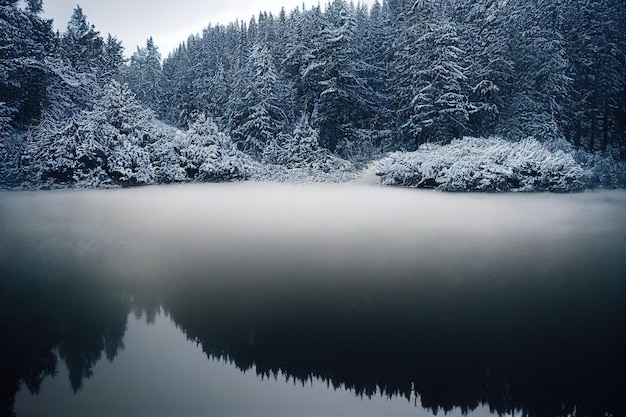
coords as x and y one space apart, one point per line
168 22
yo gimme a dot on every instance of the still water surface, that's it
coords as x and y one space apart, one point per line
284 300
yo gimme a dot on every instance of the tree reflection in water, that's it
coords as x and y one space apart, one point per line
44 320
544 349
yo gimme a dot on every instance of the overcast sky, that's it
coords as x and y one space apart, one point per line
168 22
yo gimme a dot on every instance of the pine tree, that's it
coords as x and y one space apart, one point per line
433 87
538 58
145 75
113 58
81 44
119 125
261 115
9 148
485 37
595 36
335 73
26 40
177 88
34 6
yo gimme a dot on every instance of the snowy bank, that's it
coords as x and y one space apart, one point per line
494 164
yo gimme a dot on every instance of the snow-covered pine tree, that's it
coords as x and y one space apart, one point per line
336 73
301 149
81 44
210 155
34 6
595 39
26 40
538 59
113 59
263 117
145 75
433 85
375 44
485 37
123 125
177 87
219 88
9 147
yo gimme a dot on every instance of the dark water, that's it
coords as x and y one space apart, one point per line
282 300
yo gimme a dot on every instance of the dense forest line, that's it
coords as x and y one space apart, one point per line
314 89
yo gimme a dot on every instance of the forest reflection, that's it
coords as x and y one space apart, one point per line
451 346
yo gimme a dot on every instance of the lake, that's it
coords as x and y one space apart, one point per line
255 299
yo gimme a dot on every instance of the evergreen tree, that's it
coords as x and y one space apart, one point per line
145 75
596 54
485 38
538 59
9 147
34 6
261 115
26 40
82 45
114 59
177 87
433 87
335 72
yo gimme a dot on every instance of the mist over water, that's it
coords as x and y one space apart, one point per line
268 227
504 301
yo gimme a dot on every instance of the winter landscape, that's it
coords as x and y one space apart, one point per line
389 208
475 95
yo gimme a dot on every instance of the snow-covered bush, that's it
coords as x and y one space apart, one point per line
481 164
607 169
166 153
301 150
211 155
280 173
49 156
129 162
120 142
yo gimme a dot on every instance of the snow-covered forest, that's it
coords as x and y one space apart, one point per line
454 94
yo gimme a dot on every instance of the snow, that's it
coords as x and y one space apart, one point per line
73 154
312 96
121 143
495 164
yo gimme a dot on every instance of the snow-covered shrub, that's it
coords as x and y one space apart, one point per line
481 164
166 153
538 168
49 156
301 150
211 155
280 173
129 163
607 169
